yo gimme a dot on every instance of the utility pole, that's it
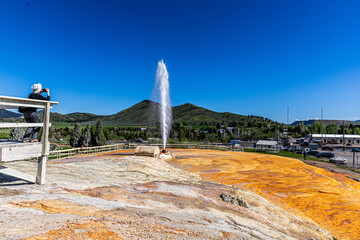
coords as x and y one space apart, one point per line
322 128
343 135
287 116
353 159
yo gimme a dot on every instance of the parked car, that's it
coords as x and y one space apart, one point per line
348 144
325 155
328 148
313 153
298 150
290 149
355 150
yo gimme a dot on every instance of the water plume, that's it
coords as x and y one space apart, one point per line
162 89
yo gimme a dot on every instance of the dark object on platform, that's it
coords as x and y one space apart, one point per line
164 151
355 150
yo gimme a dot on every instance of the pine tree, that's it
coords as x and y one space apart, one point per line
86 137
75 138
99 134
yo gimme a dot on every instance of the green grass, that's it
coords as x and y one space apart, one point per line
62 125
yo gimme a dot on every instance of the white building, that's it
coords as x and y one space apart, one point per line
262 144
335 138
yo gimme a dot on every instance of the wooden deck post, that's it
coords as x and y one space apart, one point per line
41 173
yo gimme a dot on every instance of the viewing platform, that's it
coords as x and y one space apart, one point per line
13 150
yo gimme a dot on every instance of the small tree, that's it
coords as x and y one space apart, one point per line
16 134
75 138
86 137
99 134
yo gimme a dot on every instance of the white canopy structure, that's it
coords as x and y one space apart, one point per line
338 159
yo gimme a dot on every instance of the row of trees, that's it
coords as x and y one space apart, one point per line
301 130
89 136
180 132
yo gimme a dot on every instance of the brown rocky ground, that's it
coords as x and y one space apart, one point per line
121 196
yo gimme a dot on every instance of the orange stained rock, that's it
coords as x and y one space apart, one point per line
89 230
330 199
59 206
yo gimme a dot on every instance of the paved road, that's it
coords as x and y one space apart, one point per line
349 156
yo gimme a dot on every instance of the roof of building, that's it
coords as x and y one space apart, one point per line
335 135
267 142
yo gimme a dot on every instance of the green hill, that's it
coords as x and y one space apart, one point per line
9 114
146 113
140 114
73 117
194 114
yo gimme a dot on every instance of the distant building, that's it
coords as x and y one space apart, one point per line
335 138
265 144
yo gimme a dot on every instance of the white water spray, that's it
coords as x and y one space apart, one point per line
162 87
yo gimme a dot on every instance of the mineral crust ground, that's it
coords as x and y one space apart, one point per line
330 199
122 196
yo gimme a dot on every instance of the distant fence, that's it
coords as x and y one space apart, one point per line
73 152
201 146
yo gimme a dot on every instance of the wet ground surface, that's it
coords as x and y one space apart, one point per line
329 197
121 196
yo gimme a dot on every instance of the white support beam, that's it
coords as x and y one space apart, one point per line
21 125
7 105
41 173
24 100
17 174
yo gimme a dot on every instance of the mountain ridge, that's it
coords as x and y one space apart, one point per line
145 113
9 114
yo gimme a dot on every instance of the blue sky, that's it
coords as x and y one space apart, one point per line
247 57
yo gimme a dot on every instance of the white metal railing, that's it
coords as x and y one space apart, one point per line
73 152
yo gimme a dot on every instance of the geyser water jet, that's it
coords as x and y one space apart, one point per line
162 87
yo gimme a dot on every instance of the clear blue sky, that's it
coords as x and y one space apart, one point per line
247 57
